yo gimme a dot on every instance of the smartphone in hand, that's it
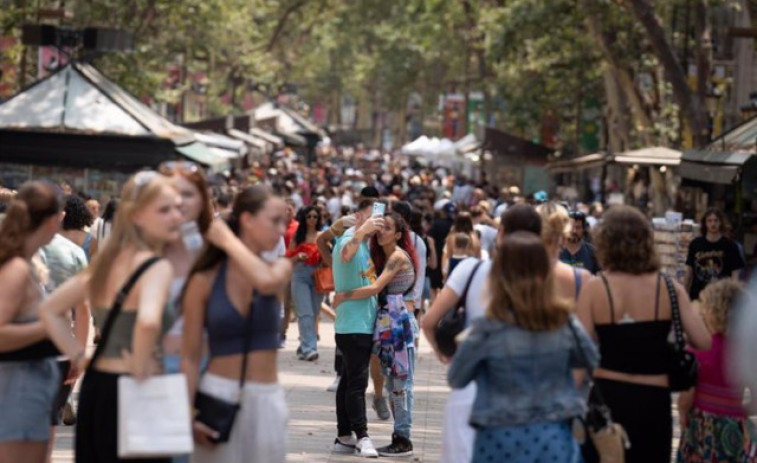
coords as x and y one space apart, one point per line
379 209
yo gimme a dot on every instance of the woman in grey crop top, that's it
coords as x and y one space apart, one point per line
393 255
148 218
232 293
28 371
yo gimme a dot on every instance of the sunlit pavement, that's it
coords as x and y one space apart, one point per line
312 412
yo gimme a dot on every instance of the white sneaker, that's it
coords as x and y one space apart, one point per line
335 385
365 448
346 446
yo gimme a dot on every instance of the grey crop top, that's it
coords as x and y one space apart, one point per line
122 332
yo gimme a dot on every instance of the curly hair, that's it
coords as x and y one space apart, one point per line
717 300
78 214
624 242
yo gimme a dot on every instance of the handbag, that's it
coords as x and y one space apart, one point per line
683 367
453 322
324 280
153 417
160 425
219 414
607 439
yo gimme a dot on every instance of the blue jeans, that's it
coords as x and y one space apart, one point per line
307 304
401 393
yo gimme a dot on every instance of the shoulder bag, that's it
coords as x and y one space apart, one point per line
324 280
683 367
153 415
218 414
453 322
607 439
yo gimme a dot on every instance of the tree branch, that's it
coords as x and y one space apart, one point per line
283 22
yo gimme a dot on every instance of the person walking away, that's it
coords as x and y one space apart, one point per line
394 339
440 229
467 278
147 220
101 229
462 248
75 223
426 265
29 376
304 251
64 259
521 354
555 231
628 311
711 256
714 424
354 326
232 294
578 252
462 224
483 224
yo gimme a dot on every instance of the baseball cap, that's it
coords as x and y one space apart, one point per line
450 208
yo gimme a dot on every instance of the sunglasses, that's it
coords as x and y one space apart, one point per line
141 179
311 216
171 167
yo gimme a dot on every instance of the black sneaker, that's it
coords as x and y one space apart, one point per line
400 447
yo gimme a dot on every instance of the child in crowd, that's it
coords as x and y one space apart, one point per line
714 426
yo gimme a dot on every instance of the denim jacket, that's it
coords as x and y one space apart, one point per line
523 377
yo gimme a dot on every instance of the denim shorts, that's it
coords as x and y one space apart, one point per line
27 392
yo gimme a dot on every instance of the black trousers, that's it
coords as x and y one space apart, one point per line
97 421
350 396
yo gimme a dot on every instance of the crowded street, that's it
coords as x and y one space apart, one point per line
298 231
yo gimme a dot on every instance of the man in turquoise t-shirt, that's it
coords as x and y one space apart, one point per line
352 269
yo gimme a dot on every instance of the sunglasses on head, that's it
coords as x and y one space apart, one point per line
171 167
141 179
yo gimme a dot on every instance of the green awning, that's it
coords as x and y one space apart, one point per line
201 154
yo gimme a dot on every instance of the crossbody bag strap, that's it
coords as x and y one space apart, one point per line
464 296
246 346
680 342
116 308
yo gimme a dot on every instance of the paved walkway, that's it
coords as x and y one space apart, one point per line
312 420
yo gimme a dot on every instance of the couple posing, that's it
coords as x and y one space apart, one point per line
371 317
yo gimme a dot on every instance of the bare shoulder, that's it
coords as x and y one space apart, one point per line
398 259
203 281
15 269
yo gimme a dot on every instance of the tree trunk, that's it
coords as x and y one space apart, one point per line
622 76
691 106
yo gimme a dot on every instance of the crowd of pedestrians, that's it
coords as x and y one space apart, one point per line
198 275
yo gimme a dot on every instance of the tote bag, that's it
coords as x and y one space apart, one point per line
324 280
153 417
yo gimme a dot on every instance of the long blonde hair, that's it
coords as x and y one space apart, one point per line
139 191
522 285
555 224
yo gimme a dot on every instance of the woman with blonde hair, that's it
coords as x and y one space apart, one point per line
28 370
148 218
629 312
714 424
521 355
554 231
